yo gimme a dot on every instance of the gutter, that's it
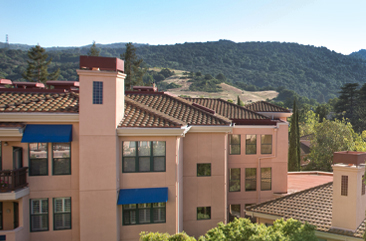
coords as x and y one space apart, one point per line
39 117
138 131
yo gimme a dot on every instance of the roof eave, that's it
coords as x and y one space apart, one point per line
151 131
39 117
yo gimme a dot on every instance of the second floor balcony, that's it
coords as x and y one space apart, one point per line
13 180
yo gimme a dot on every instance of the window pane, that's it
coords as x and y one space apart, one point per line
159 148
235 149
159 215
68 205
234 211
144 148
39 223
266 179
204 169
234 184
129 148
250 179
234 139
251 144
62 221
61 150
36 207
61 166
266 147
158 205
203 213
144 215
58 206
38 167
159 164
37 150
144 164
129 164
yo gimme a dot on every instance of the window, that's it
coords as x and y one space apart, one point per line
251 144
203 169
363 185
1 216
266 179
266 144
250 179
61 156
344 186
97 92
143 156
234 182
144 213
38 159
203 213
61 213
234 212
234 142
38 215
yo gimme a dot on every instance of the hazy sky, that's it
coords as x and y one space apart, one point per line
339 25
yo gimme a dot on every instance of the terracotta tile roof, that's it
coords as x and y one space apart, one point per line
139 115
39 102
227 109
263 106
313 205
178 108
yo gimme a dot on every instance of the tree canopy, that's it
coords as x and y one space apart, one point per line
94 51
37 70
242 229
133 68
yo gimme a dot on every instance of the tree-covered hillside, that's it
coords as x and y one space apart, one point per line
314 72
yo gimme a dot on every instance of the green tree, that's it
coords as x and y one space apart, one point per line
347 100
242 229
239 102
94 51
37 70
133 68
294 140
329 137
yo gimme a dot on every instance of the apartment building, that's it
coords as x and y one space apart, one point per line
88 160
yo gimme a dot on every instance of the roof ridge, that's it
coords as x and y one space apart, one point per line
243 107
153 111
273 105
290 195
190 103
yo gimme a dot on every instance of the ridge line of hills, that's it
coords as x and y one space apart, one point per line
313 72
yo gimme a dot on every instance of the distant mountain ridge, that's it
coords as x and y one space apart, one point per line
360 54
314 72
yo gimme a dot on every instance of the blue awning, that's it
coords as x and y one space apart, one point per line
47 133
143 195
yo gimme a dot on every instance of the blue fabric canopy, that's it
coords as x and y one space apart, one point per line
143 195
47 133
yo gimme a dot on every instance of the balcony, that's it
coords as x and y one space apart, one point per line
13 184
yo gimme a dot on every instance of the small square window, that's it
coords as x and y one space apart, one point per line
98 92
203 169
203 213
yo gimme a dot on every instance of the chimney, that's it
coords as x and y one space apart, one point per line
349 199
101 108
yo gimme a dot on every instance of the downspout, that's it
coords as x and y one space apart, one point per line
260 165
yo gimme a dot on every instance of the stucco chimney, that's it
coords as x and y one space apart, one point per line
101 108
349 199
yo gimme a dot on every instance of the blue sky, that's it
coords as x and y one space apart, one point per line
339 25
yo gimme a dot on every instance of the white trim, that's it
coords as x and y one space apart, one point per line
262 215
100 73
14 195
225 129
137 131
11 132
39 117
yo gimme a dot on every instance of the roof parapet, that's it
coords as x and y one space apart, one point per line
101 63
4 82
29 85
349 157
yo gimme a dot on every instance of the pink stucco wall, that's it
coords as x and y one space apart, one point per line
204 191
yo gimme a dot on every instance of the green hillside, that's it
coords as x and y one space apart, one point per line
314 72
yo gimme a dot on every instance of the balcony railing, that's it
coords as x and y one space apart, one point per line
10 180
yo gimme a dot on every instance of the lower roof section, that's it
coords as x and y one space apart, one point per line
143 195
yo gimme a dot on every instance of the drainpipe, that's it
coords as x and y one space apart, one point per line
275 129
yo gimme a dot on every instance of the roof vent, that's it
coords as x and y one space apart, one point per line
204 108
28 85
4 82
145 88
66 85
